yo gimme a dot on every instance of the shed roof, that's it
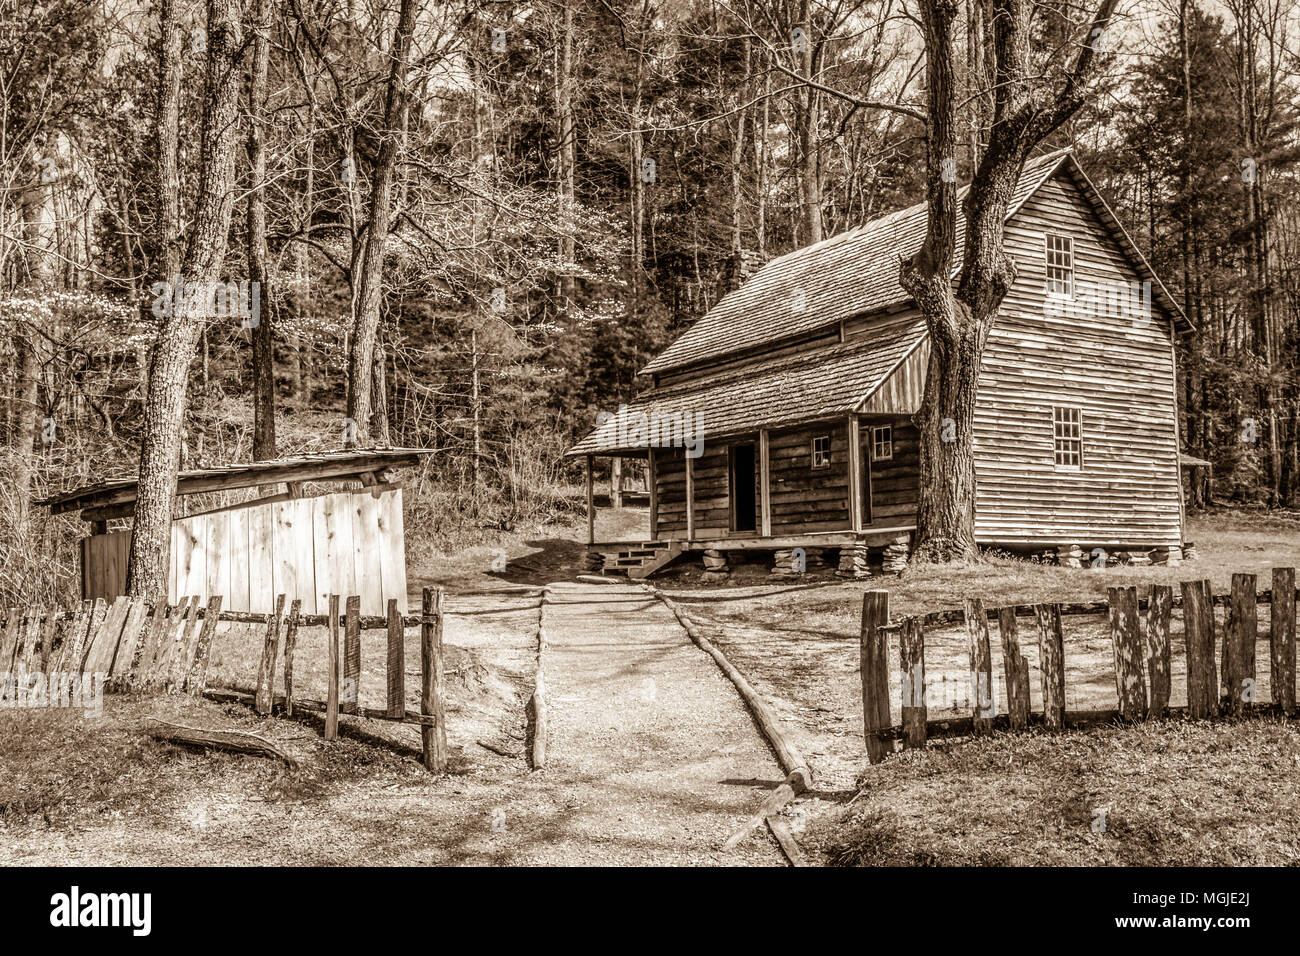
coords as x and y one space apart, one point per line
856 273
809 386
339 465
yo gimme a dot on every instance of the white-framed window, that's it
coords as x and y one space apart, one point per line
1067 437
821 451
882 443
1060 264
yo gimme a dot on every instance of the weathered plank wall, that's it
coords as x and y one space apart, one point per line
103 565
1119 373
895 483
804 499
306 549
807 499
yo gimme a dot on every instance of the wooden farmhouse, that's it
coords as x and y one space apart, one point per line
345 538
786 416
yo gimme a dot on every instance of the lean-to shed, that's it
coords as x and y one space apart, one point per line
345 539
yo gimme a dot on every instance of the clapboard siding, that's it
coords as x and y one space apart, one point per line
1117 371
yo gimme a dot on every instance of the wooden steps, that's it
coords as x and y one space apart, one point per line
638 560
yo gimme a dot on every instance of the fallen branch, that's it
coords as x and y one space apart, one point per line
785 839
234 740
499 750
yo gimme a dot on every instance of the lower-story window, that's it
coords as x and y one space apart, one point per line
1067 437
821 451
882 443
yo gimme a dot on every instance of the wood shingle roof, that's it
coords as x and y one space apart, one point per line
809 386
851 274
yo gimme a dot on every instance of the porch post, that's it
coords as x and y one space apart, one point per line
616 482
591 507
765 483
690 496
652 482
855 475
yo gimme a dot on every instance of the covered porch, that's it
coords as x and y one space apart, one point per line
813 450
846 485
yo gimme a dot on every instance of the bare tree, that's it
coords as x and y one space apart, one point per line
368 290
180 328
1031 99
264 330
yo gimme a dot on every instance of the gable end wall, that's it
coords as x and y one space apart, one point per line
1120 374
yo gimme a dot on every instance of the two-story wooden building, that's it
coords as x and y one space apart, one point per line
786 416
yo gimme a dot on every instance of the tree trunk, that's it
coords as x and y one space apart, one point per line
167 138
566 157
365 323
806 126
178 332
264 446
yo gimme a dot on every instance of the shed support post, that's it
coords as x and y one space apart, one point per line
690 497
651 486
616 482
855 474
765 483
591 507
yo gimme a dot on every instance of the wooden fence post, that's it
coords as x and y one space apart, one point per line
911 664
1212 686
433 738
1126 641
1051 661
198 676
1158 608
1015 670
290 643
874 666
332 700
1281 640
265 691
1240 631
1200 656
352 655
985 706
396 662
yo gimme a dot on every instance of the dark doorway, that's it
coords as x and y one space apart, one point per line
868 464
742 488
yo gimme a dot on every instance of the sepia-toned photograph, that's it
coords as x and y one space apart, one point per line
650 434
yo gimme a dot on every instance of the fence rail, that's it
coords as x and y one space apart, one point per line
136 646
1221 675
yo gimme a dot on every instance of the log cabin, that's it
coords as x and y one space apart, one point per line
786 417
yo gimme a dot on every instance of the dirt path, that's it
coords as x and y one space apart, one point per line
651 749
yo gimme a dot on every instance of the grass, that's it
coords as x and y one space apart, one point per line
1190 793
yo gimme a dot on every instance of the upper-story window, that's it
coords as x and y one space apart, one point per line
1060 264
882 443
1067 437
821 451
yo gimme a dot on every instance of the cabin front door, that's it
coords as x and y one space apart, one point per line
743 499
